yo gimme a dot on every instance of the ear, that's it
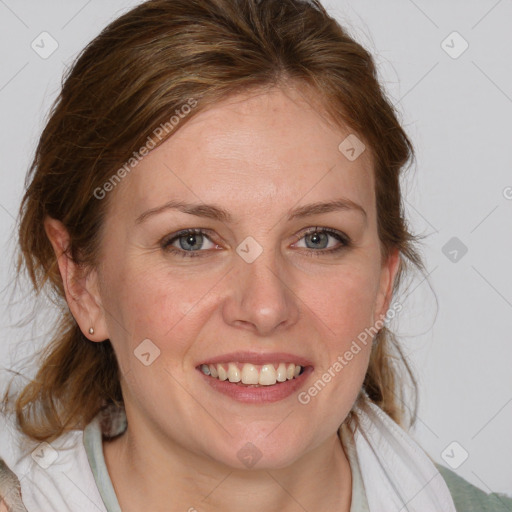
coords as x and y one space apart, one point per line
82 289
387 278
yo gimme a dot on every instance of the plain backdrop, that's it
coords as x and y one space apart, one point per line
447 66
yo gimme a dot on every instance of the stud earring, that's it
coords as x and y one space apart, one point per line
91 330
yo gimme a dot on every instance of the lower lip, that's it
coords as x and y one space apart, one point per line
260 394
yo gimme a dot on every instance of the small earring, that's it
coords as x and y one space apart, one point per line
91 330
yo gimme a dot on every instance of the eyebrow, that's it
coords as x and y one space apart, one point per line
215 212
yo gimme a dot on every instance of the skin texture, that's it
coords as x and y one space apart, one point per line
257 156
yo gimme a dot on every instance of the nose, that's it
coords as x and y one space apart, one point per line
261 298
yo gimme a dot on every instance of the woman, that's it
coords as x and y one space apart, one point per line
216 199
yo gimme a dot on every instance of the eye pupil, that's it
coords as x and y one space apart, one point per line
316 237
191 239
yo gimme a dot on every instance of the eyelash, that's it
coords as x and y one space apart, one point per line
341 237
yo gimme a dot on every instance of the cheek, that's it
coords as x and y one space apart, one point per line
152 302
344 306
343 302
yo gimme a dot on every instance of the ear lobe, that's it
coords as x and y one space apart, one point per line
388 273
81 288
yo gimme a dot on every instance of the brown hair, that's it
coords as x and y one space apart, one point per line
129 80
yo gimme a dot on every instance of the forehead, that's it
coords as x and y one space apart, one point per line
247 150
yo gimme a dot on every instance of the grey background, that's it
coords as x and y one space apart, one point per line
456 325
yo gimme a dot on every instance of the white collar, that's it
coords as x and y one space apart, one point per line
398 475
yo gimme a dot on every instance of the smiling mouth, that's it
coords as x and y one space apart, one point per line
254 375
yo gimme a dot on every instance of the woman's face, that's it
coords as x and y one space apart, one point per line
257 290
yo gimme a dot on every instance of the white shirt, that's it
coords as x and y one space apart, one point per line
70 474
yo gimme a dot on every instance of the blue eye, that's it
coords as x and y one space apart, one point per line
318 237
190 243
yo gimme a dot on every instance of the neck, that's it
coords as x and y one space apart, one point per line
147 477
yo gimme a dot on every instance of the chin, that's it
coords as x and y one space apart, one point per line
264 451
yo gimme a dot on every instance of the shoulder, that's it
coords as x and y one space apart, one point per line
10 490
10 441
468 498
47 476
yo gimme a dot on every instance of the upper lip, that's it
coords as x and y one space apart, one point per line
258 358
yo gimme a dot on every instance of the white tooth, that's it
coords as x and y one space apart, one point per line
249 374
233 373
222 373
297 371
213 371
205 369
267 375
290 370
281 372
